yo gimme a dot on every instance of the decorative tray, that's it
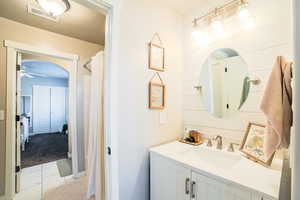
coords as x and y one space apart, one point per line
191 143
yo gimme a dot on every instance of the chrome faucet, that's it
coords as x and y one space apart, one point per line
220 143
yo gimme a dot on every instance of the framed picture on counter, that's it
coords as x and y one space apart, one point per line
253 144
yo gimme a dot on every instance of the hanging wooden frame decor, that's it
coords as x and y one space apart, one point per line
156 54
157 93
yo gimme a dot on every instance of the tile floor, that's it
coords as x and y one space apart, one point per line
37 180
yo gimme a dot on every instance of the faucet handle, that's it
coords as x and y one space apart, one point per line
209 143
231 148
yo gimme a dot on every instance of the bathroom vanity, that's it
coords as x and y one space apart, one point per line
183 172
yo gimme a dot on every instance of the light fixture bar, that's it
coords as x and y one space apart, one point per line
228 7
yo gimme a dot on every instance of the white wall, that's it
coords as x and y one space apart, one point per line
135 126
271 37
28 83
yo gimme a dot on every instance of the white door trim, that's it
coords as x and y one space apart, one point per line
12 49
110 134
25 48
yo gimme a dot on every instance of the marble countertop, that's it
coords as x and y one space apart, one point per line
225 166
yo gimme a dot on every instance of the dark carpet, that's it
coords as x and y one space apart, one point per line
43 148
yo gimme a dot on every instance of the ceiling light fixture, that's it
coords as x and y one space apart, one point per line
55 7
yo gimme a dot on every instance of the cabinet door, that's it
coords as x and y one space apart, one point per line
169 180
234 192
257 196
204 188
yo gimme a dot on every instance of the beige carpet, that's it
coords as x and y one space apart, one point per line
74 190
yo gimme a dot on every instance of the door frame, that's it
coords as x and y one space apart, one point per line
111 162
106 7
12 49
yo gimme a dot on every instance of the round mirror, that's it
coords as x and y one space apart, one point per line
224 83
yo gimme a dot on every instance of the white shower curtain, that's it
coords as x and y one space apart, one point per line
95 168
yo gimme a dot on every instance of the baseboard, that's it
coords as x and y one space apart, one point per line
4 198
80 174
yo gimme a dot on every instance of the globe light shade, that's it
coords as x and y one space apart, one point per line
244 12
217 26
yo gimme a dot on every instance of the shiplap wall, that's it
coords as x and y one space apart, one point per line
271 37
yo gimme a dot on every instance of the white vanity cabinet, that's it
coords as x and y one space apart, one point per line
234 192
204 188
259 197
172 180
169 180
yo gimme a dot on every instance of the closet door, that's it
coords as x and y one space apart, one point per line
41 109
235 82
58 108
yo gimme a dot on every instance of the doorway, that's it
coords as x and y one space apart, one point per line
43 110
12 49
42 103
36 120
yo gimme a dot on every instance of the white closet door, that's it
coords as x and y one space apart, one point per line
41 109
58 108
235 82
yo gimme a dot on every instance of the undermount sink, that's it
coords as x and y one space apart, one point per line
216 158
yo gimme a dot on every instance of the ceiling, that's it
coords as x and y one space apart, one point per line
44 69
45 66
79 22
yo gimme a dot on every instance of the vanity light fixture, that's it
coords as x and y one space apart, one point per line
197 33
244 12
213 21
245 15
217 26
202 37
54 7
